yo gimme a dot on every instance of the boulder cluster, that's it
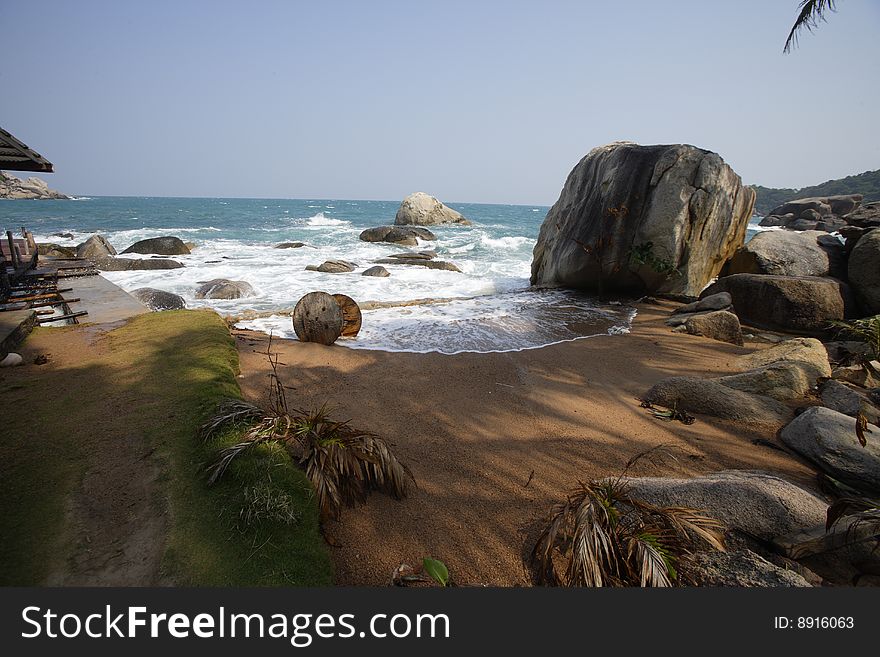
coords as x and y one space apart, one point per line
826 213
12 187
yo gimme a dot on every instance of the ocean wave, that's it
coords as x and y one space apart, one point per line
321 219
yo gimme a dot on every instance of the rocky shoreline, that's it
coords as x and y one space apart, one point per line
32 188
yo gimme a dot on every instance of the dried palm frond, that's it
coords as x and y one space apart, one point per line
603 536
229 413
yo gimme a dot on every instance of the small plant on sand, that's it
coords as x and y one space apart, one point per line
865 330
603 535
342 463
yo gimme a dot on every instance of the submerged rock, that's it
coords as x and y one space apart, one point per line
167 245
378 271
420 209
642 219
420 262
135 264
223 288
158 299
290 245
403 235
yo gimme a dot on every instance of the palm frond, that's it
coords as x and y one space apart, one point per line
603 536
229 413
812 12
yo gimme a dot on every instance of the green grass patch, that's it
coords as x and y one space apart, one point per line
162 375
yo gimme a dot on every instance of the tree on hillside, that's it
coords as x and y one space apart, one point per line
812 12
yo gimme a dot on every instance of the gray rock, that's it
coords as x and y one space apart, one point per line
797 304
718 400
783 381
414 255
12 187
420 262
420 209
773 221
741 568
336 267
378 270
828 439
682 208
290 245
223 288
158 299
167 246
681 319
839 205
720 301
864 271
841 398
403 235
802 224
867 216
757 504
717 325
809 353
135 264
96 246
787 253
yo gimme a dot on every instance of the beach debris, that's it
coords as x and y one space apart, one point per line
11 360
41 359
668 414
318 317
351 315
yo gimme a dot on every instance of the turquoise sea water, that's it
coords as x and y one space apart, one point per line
490 308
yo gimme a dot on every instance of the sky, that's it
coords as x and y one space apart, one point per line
471 101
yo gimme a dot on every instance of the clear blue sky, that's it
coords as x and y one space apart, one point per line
471 101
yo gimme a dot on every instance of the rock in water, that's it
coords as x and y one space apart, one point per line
223 288
290 245
160 246
107 263
864 271
403 235
798 304
788 253
158 299
420 209
96 246
378 271
642 219
828 439
334 267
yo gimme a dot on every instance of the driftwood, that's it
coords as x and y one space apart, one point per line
318 317
351 315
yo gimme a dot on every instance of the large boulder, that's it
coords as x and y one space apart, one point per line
808 353
158 299
403 235
96 246
864 271
420 209
828 439
717 325
168 246
223 288
107 263
718 400
333 267
797 304
641 219
757 504
788 253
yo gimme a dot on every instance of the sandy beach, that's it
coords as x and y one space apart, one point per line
494 439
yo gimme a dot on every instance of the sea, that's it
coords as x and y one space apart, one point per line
488 307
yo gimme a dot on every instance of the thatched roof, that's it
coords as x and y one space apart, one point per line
16 156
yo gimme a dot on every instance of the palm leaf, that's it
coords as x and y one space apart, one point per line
811 13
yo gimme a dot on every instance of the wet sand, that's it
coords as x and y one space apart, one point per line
493 440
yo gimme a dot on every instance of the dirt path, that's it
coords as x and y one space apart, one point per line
494 439
112 520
